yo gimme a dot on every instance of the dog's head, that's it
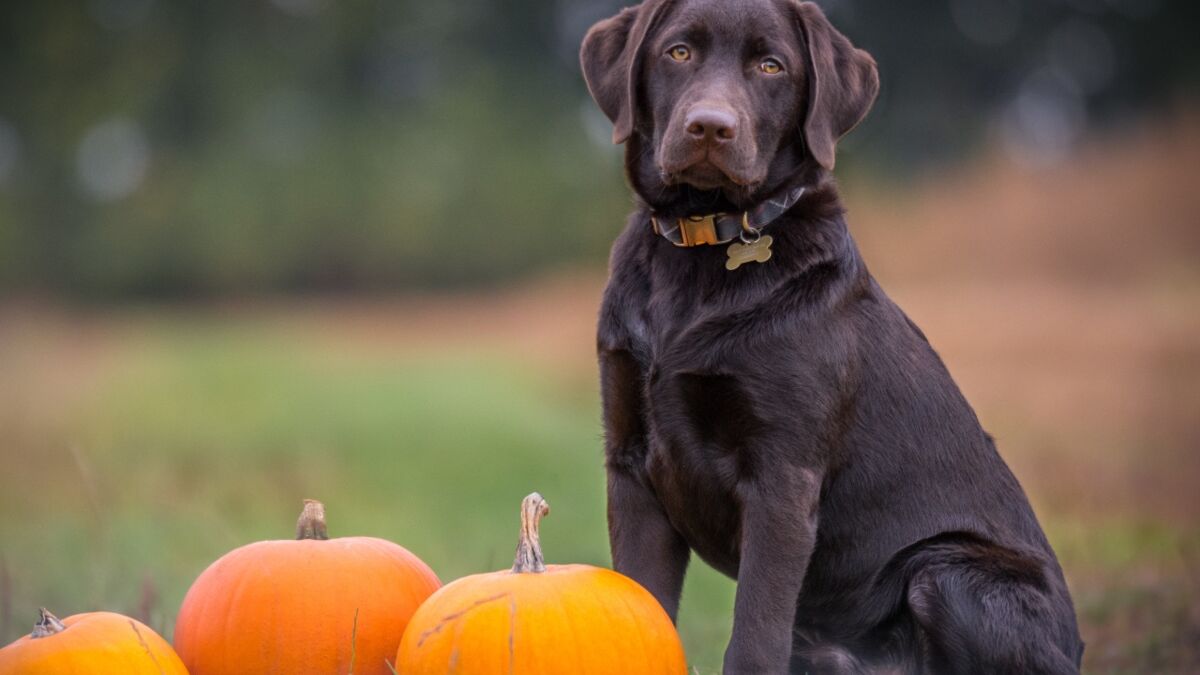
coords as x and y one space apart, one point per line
726 99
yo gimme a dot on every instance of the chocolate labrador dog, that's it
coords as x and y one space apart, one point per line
765 404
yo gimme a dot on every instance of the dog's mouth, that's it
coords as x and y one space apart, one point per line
708 173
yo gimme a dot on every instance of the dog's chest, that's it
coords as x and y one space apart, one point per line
707 389
696 454
699 416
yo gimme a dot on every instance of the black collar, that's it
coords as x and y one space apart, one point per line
722 228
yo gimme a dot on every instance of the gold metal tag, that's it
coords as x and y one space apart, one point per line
756 251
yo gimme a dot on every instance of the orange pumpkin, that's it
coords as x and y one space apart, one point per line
96 642
312 605
543 619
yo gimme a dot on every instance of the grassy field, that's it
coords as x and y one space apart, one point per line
139 444
178 436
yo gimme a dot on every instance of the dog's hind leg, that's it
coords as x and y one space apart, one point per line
824 660
986 616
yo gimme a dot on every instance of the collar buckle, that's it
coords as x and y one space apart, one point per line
699 230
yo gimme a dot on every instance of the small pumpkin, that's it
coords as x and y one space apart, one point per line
544 619
84 644
310 605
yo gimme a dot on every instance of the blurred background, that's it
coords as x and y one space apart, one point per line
252 252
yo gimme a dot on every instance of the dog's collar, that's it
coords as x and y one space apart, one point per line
722 228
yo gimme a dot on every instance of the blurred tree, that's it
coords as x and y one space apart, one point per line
152 148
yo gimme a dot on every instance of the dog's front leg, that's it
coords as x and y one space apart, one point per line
779 528
645 546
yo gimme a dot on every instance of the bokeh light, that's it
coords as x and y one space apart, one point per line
112 159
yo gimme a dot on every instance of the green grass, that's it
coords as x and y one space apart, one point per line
202 438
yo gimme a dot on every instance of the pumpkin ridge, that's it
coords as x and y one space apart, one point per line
512 631
454 616
146 647
641 637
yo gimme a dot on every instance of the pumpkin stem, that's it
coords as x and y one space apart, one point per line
529 547
47 625
311 524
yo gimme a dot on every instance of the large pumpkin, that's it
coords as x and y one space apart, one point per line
541 619
312 605
85 644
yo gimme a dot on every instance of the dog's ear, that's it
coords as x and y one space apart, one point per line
842 83
611 58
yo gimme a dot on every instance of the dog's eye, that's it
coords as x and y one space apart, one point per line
679 53
771 66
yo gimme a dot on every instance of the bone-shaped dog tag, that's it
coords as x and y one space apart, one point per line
755 251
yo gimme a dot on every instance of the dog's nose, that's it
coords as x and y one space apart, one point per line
711 125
